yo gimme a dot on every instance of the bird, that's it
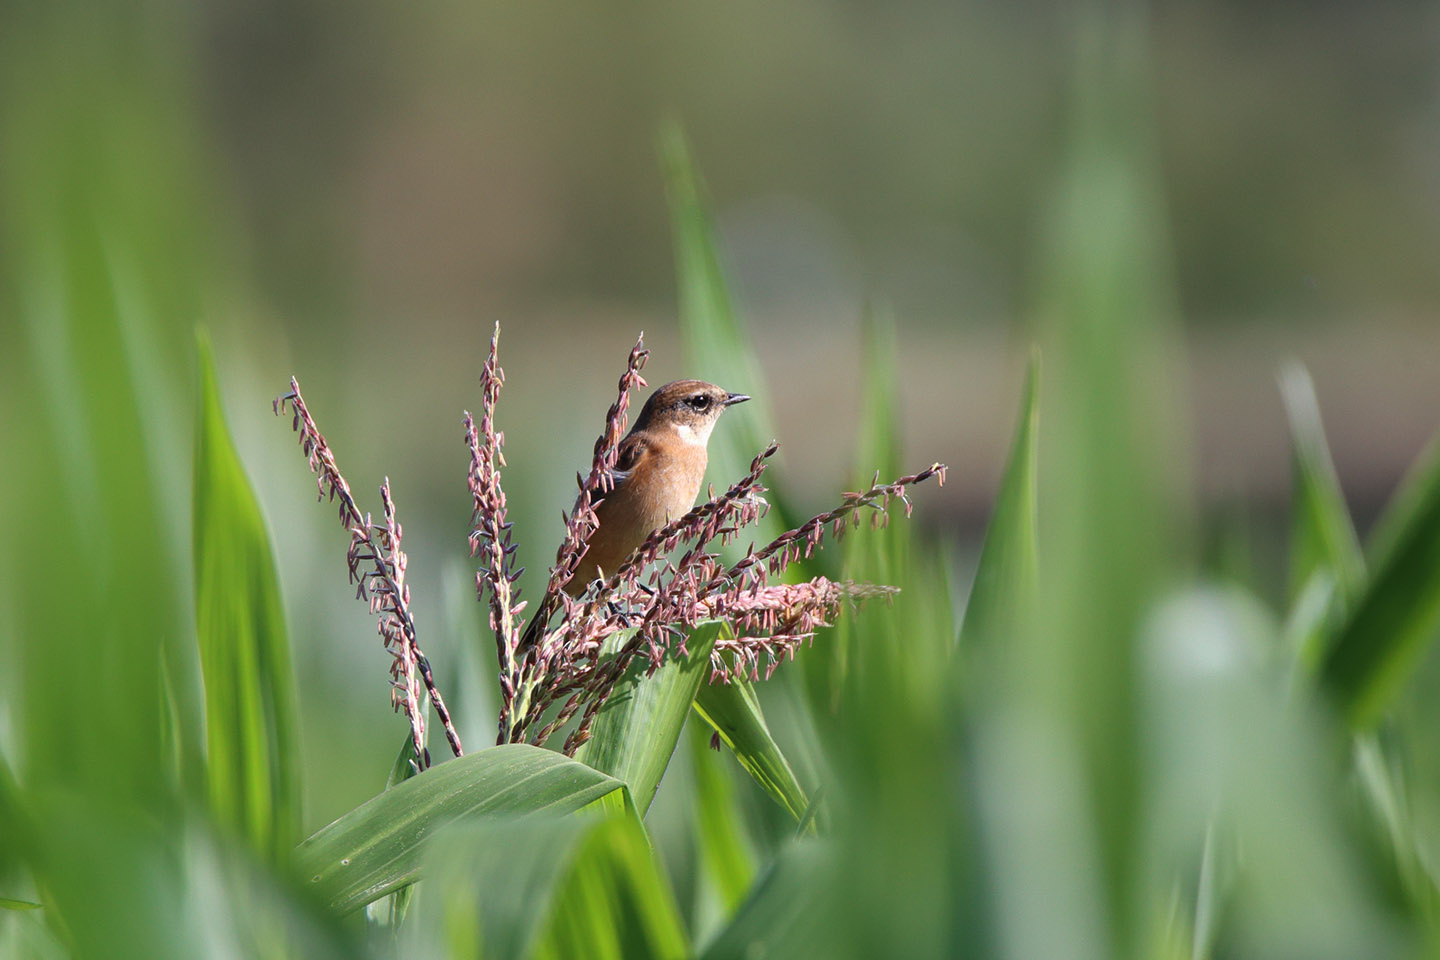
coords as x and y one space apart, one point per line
659 468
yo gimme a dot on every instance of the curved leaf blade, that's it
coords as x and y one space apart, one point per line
1005 579
1398 615
378 846
250 698
636 731
1323 535
733 710
717 347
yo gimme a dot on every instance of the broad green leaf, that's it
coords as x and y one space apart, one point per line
1005 580
717 348
636 730
1322 533
724 850
377 847
253 745
733 710
1398 615
388 912
542 887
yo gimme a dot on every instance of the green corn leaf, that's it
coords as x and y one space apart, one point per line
724 850
387 913
717 347
733 711
636 731
1323 535
1005 580
1398 615
508 889
377 847
787 913
250 700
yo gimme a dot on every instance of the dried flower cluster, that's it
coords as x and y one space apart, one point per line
650 604
377 568
573 654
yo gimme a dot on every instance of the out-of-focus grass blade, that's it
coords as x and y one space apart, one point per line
509 889
877 454
637 729
716 345
376 848
250 710
1322 533
787 913
1398 615
1257 771
733 711
1408 503
724 849
1065 714
7 904
1005 579
100 258
877 447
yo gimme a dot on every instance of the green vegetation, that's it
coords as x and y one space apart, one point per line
1104 751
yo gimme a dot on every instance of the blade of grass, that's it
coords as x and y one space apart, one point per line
1066 717
377 847
1322 533
733 711
637 729
877 453
1005 578
250 698
1398 616
717 347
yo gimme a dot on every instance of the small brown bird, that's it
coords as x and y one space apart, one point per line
658 472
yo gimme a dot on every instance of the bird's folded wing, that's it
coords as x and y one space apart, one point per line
631 451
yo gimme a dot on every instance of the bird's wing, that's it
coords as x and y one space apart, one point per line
630 452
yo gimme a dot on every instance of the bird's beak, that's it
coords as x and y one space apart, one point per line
733 398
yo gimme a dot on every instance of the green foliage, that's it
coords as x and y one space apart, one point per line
547 888
379 846
637 729
733 711
1110 760
717 348
250 712
1323 537
1005 579
1398 615
724 851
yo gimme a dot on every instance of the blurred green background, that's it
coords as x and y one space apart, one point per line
355 193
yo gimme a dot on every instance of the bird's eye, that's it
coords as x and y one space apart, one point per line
699 401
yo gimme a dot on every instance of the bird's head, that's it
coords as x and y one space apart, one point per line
687 407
